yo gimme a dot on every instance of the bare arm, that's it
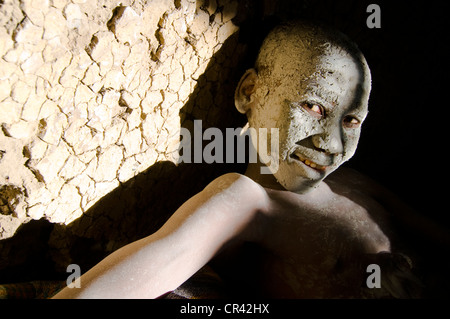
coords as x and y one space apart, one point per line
159 263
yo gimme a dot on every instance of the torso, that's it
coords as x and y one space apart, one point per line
314 245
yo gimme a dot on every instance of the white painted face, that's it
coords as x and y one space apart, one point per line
318 102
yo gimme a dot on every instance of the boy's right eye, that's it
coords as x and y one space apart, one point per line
314 109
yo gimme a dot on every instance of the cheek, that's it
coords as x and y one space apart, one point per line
351 143
299 126
264 113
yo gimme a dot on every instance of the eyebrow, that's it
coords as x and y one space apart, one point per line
320 93
331 98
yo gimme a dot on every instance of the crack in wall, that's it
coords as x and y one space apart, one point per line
90 96
116 15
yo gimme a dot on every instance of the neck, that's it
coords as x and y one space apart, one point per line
269 181
265 180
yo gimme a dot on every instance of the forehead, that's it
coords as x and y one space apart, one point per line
339 79
334 77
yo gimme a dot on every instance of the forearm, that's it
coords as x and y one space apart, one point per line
146 268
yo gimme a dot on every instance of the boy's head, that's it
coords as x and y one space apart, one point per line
312 84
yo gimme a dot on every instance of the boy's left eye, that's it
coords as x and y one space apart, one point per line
351 122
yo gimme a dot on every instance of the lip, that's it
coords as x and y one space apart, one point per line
321 163
308 163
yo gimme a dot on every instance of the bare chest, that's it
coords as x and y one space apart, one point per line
314 248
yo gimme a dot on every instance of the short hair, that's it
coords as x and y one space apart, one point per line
294 38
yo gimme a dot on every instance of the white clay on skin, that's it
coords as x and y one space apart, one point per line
306 70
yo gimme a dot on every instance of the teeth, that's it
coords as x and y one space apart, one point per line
309 163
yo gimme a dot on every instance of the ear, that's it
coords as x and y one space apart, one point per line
245 89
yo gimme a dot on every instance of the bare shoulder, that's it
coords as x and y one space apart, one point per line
238 185
234 202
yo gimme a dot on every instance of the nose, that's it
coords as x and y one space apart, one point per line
329 142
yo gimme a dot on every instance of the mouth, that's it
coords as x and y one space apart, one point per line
308 162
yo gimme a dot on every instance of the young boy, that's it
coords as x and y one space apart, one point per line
315 238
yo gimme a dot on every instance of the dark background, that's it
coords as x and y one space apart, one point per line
404 139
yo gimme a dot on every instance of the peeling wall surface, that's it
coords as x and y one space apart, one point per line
93 93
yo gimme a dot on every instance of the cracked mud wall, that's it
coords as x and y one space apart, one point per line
93 94
90 97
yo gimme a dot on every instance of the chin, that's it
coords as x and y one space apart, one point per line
293 177
297 184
